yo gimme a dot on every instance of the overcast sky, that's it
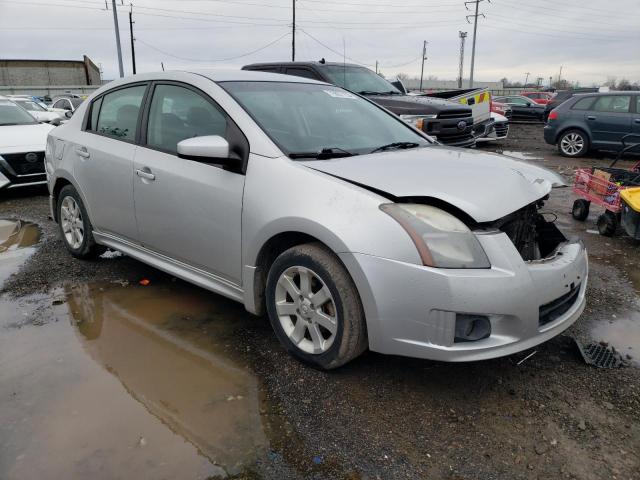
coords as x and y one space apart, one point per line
593 40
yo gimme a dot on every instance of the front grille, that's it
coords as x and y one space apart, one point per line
508 114
502 129
21 166
554 310
461 114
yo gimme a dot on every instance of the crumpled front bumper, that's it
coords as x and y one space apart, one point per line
411 309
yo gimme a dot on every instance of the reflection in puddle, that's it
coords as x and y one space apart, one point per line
623 334
16 244
139 386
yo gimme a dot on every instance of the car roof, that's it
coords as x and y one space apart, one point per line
303 64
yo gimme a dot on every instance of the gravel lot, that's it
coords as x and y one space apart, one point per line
101 377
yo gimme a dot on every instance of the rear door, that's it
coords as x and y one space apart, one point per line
609 120
103 164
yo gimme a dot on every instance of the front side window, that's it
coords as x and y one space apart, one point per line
360 80
178 113
12 114
613 104
118 115
519 101
304 119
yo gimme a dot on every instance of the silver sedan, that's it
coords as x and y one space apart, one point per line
349 227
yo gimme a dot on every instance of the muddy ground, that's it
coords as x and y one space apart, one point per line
103 378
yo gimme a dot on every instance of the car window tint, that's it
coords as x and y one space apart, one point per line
178 113
583 104
119 112
613 103
95 110
302 72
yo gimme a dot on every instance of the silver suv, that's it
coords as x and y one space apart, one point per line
352 229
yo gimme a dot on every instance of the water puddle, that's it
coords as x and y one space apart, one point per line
17 239
125 382
522 155
623 334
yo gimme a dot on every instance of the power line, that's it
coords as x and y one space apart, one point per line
332 50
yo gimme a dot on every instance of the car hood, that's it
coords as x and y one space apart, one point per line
18 138
417 105
483 185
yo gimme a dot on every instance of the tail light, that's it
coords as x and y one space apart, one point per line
553 115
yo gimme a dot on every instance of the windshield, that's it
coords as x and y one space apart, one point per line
359 80
12 114
31 106
306 118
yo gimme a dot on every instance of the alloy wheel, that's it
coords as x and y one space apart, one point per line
72 224
572 144
306 310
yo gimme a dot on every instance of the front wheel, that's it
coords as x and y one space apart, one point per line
314 307
607 224
573 143
580 210
75 228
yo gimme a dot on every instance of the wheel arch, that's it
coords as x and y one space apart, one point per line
573 127
61 182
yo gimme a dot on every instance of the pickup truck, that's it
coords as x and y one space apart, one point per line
449 122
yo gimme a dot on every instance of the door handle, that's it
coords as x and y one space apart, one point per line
82 152
147 175
591 117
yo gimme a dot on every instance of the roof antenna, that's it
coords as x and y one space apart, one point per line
322 61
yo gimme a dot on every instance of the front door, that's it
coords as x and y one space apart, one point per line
609 120
103 160
187 210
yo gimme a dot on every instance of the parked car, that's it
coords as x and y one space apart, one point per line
541 98
450 122
593 121
350 227
501 109
22 145
65 104
564 95
40 113
523 108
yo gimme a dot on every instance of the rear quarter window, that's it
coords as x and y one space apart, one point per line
583 104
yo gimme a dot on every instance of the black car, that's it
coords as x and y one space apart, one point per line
564 95
522 108
451 123
594 121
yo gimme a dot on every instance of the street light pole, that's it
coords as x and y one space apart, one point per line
424 56
115 23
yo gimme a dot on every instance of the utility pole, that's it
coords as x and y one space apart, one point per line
424 57
560 75
376 66
133 48
475 32
293 34
115 23
463 37
526 78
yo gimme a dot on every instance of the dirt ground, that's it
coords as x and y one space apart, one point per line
104 378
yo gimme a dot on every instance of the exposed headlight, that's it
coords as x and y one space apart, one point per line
442 240
417 120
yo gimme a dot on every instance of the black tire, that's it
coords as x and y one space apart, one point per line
351 334
607 224
580 210
570 137
88 248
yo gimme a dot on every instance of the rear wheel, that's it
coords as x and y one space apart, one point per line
580 209
607 224
573 143
75 227
314 307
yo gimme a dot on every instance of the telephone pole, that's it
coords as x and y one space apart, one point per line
424 57
463 37
560 75
115 23
526 78
133 48
475 32
293 34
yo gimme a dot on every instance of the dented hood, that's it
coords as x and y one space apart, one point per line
485 186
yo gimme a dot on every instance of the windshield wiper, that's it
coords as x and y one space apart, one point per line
324 154
394 145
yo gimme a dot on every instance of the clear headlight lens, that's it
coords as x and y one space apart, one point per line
417 121
442 240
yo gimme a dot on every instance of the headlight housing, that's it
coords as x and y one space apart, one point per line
417 121
442 240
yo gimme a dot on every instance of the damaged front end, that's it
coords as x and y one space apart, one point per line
531 232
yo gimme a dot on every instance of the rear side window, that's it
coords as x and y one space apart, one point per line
178 113
118 115
583 104
613 104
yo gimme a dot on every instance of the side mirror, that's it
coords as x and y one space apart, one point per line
207 149
68 114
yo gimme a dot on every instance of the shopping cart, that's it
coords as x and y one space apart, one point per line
602 185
